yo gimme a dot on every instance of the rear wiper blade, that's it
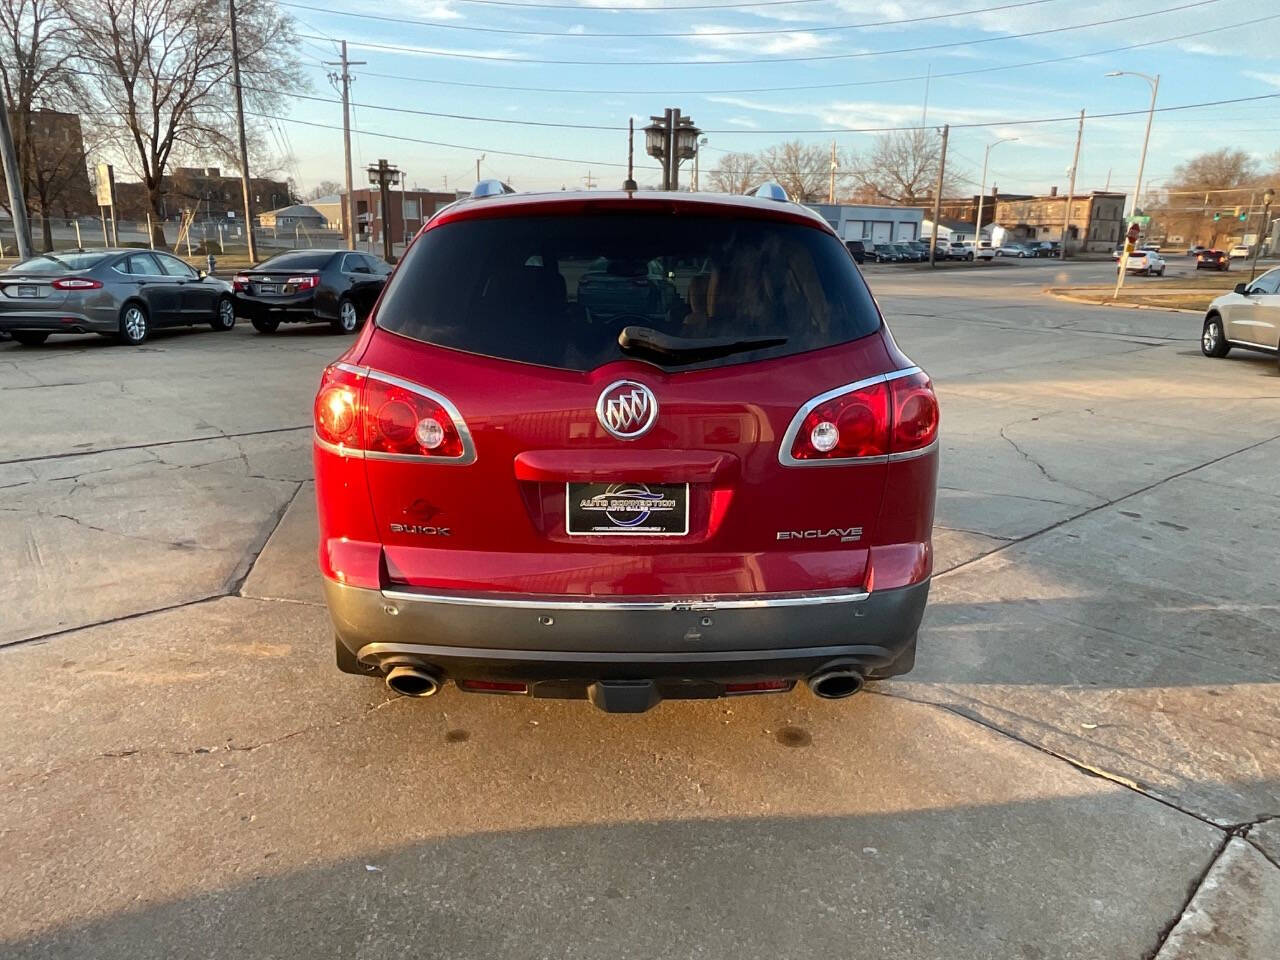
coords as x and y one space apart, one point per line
689 349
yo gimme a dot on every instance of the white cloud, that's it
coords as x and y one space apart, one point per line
711 36
1270 78
742 122
431 9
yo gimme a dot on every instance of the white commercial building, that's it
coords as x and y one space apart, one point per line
870 224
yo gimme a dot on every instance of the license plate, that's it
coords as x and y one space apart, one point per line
27 292
627 509
268 288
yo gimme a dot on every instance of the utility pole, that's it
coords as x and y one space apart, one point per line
589 181
244 149
937 197
384 175
479 160
1071 189
630 183
13 178
1267 196
831 186
344 78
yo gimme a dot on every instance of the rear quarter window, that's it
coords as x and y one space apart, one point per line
558 290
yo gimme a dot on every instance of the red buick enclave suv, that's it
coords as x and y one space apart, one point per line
628 447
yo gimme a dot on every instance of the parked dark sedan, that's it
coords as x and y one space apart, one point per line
337 287
887 253
1213 260
1047 248
120 293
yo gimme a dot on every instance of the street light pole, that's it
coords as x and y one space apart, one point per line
982 196
1151 112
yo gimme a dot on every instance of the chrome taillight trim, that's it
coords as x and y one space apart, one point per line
464 434
692 604
793 428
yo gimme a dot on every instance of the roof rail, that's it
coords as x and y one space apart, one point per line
489 188
770 190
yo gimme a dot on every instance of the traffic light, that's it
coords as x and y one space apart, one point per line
1243 216
1217 217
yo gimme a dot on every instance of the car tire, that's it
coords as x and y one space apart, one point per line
135 325
1213 340
29 338
225 318
266 326
348 318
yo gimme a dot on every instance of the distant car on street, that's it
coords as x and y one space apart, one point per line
1149 245
1047 248
856 250
909 253
337 287
960 250
1145 262
1248 317
120 293
1013 250
984 250
921 248
886 253
1196 250
1212 260
1241 251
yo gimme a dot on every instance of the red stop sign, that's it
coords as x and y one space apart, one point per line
1134 230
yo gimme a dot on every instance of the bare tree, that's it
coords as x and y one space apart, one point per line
736 173
801 168
325 188
35 54
1216 170
162 69
902 167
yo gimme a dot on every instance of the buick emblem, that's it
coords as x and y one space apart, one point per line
627 409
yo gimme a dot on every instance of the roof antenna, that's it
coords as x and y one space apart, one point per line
630 184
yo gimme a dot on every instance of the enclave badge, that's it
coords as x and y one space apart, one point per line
627 409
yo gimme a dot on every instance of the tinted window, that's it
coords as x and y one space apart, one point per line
559 290
298 260
1268 283
175 267
140 265
376 266
51 263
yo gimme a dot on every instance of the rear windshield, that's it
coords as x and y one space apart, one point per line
559 290
298 260
60 262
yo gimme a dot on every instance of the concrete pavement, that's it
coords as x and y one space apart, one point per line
1083 764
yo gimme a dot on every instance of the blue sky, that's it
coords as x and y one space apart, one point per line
741 104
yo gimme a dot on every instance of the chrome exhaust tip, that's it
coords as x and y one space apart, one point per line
412 681
836 684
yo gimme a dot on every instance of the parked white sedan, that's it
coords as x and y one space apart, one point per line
1146 262
1240 251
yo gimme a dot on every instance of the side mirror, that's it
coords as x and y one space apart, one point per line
1241 287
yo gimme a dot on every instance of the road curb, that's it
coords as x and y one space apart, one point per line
1109 303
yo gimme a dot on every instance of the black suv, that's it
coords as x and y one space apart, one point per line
856 250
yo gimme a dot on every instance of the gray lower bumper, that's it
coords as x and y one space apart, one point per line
786 635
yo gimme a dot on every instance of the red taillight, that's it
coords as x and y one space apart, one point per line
758 686
240 283
875 420
303 283
358 410
915 413
76 283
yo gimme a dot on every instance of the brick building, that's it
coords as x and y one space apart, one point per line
204 189
56 176
1096 224
409 210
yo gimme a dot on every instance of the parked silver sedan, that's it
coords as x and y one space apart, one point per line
1248 317
119 293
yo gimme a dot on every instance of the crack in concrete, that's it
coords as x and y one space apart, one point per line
1109 503
1038 465
1196 883
159 443
238 580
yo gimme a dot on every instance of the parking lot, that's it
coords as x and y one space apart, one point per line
1084 763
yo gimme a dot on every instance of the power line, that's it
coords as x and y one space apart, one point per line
666 91
634 9
815 58
439 143
631 33
511 121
